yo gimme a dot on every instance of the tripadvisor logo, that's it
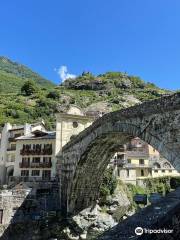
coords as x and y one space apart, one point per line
139 231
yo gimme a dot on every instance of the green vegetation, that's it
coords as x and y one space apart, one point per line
159 184
108 185
27 97
29 88
16 74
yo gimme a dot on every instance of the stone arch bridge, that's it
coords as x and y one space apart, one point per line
85 158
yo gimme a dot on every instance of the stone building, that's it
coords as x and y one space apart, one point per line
138 160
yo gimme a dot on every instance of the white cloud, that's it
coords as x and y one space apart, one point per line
63 73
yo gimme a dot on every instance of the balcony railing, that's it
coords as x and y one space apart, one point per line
24 165
11 139
11 149
41 165
35 165
36 151
133 165
32 179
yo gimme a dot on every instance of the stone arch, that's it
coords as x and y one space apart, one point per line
85 158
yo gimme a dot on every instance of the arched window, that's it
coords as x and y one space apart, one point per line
156 165
75 124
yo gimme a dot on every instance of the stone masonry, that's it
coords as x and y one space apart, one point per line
85 157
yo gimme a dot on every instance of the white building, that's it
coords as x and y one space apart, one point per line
137 160
8 146
28 152
35 157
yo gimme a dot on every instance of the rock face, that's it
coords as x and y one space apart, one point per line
85 158
118 204
97 219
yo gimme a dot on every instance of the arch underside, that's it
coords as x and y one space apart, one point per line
161 131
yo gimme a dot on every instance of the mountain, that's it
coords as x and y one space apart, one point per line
106 92
13 75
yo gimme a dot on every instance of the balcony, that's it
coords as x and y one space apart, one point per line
11 139
36 152
132 165
32 179
35 165
24 165
11 149
41 165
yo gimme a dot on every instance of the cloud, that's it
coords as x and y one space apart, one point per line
63 73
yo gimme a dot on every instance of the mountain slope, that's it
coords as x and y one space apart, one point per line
13 75
107 92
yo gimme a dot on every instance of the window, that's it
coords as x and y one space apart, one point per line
1 215
13 146
156 171
142 172
127 172
35 173
46 159
25 173
12 158
75 124
36 160
170 170
129 160
141 161
25 160
166 165
46 175
16 135
163 171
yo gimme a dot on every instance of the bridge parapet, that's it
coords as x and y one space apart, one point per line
165 214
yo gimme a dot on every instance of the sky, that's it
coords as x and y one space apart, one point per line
62 38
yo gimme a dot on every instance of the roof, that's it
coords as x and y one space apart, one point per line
21 127
14 128
38 135
21 186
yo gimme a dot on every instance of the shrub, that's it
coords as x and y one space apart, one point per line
54 94
29 88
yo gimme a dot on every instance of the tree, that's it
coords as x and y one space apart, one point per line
29 88
108 185
54 94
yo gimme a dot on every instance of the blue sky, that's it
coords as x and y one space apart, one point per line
141 37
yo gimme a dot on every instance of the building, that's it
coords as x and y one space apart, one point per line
138 160
35 157
28 152
69 123
8 147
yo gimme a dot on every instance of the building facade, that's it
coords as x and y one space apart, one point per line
138 160
8 147
35 157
